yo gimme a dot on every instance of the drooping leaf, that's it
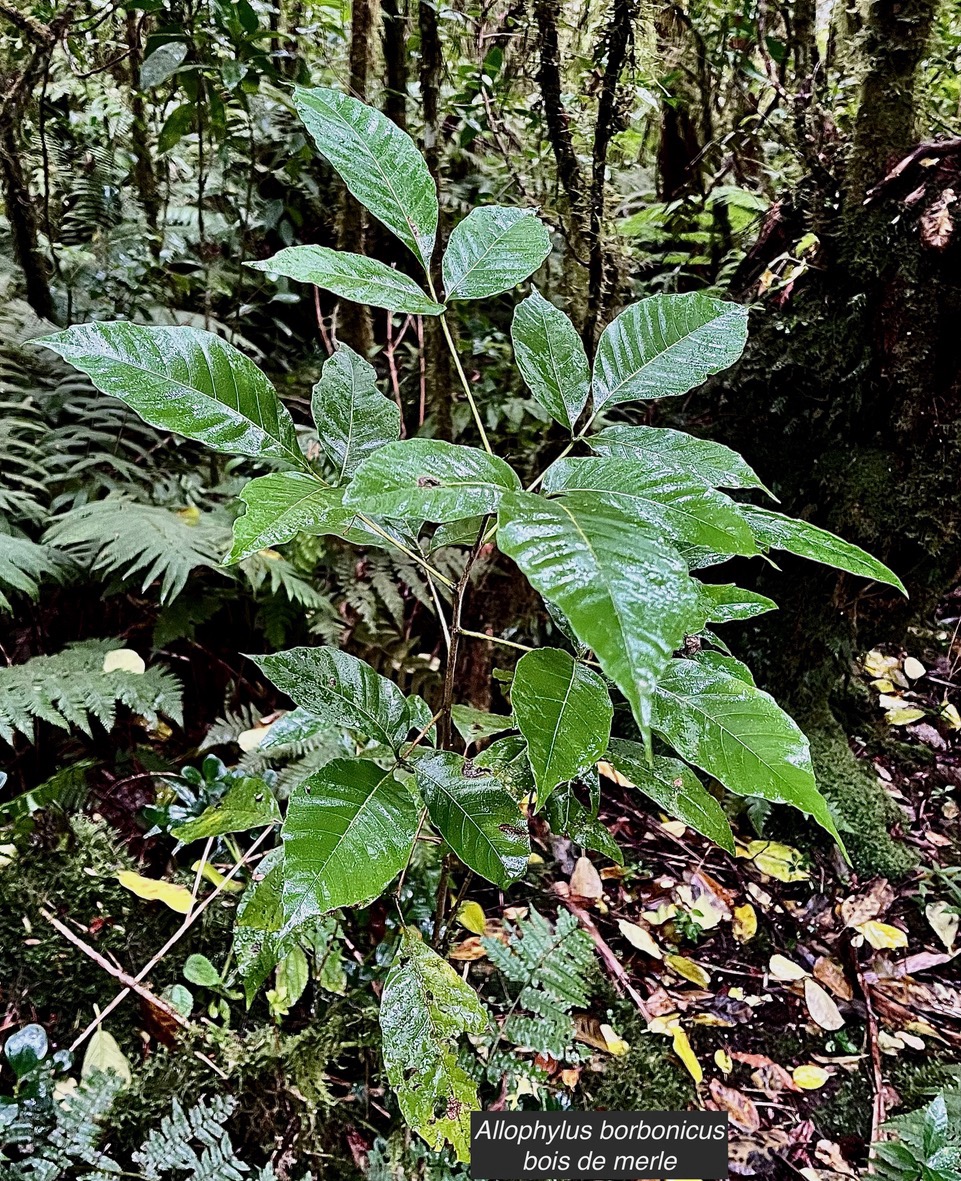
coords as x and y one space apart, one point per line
627 595
475 815
354 419
378 163
687 509
776 531
162 64
260 937
564 711
728 603
248 803
665 345
348 832
430 480
740 735
286 503
184 380
351 276
474 724
675 789
424 1010
338 687
551 358
712 462
493 249
567 816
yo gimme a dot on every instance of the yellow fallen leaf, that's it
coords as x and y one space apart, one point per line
883 685
103 1054
809 1077
216 878
677 828
471 915
722 1059
776 860
637 937
903 717
249 740
616 1045
682 1048
190 514
882 935
944 920
913 668
664 912
951 716
124 660
821 1006
878 665
781 968
744 926
178 898
703 909
585 880
688 969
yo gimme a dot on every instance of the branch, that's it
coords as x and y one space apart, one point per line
939 148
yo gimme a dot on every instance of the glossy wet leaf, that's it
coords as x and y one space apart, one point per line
474 724
379 164
283 504
162 64
354 419
248 803
507 758
348 832
551 358
351 276
185 380
493 249
430 480
340 689
776 531
261 938
425 1008
564 711
740 735
665 345
25 1048
727 603
476 816
626 594
567 816
675 789
673 501
711 462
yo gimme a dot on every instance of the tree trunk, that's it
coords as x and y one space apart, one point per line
144 175
394 43
848 402
353 319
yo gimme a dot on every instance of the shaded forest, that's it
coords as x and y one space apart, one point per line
665 933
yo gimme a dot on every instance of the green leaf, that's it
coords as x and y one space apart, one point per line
351 276
293 973
671 500
775 531
25 1048
424 1009
104 1056
564 711
729 603
349 830
493 249
200 971
567 816
725 663
712 462
283 504
378 163
354 419
740 735
675 789
666 345
338 687
474 724
507 758
551 358
430 480
260 937
248 803
627 595
475 815
162 64
178 123
184 380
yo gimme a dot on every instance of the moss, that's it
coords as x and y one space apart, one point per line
847 1111
865 810
648 1078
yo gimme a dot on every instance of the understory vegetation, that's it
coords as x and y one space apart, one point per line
480 581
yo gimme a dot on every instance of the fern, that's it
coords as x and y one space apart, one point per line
24 565
117 535
551 965
71 689
174 1145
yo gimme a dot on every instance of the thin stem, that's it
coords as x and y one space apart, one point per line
495 640
460 370
414 557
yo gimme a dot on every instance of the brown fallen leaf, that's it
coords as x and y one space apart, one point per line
468 950
822 1008
828 971
739 1107
586 881
871 904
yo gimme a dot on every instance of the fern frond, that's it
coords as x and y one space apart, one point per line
118 535
71 689
24 565
173 1146
551 965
